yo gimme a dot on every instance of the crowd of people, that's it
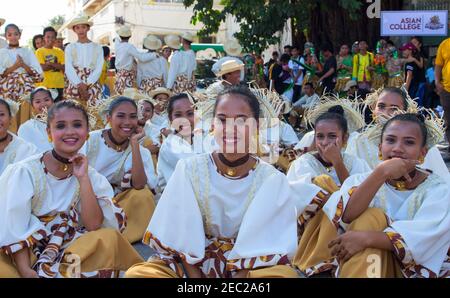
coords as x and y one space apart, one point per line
329 72
218 183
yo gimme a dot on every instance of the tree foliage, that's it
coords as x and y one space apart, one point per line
57 21
261 20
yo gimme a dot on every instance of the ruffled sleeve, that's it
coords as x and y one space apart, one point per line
176 228
19 228
422 242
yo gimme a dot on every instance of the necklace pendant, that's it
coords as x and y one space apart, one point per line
65 168
231 172
400 185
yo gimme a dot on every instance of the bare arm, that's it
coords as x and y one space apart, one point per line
23 263
438 78
409 76
191 270
91 213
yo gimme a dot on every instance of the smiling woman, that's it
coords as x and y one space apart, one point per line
117 154
59 206
209 230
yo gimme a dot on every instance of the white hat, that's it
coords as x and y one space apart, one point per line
160 90
188 36
81 20
59 36
124 31
232 48
210 53
229 66
349 85
2 21
152 42
173 41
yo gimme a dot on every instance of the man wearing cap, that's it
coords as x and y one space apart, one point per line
229 75
3 42
234 51
83 65
182 65
126 58
152 74
442 77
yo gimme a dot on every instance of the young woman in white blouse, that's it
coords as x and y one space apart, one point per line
227 213
12 148
117 154
19 72
34 130
55 208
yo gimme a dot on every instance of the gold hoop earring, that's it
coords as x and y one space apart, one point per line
380 155
421 159
50 140
88 136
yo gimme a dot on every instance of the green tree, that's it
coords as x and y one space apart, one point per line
332 21
57 21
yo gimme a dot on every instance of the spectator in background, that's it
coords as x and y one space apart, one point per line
38 41
422 59
344 67
328 74
355 48
414 75
281 76
442 79
59 42
104 76
287 50
297 65
363 63
51 60
431 97
309 99
268 66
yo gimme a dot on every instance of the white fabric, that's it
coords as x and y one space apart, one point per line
156 68
35 132
17 150
421 216
162 121
3 43
306 141
112 164
153 132
216 66
9 56
127 54
182 63
282 133
175 148
83 55
296 68
27 192
306 101
307 167
257 210
359 145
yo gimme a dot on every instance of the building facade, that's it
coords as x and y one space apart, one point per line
157 17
